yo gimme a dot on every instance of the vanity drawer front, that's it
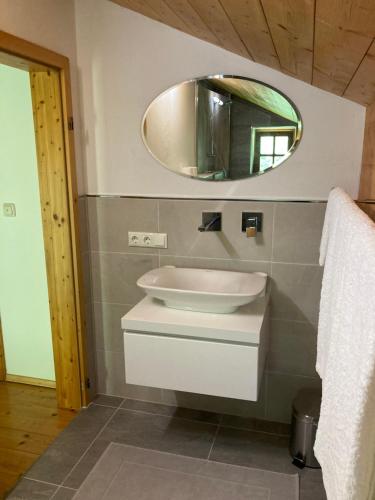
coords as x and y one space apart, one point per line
191 365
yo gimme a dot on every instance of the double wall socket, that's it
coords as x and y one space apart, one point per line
152 240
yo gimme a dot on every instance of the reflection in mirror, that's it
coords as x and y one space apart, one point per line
221 128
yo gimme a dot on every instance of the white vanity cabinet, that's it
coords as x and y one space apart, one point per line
216 354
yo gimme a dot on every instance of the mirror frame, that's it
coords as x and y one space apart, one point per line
295 145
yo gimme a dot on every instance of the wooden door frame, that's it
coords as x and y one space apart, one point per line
3 370
68 334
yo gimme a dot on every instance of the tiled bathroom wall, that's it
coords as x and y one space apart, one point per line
287 249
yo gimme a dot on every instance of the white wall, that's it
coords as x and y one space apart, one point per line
126 60
24 304
50 23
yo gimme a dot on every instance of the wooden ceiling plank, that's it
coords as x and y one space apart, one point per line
367 183
178 14
192 20
139 6
167 15
161 11
291 24
362 86
216 19
344 30
248 19
339 56
259 94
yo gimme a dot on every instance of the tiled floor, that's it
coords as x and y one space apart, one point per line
135 473
247 442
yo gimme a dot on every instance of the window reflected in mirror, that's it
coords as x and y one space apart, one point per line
221 128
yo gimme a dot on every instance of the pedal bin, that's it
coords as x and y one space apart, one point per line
305 418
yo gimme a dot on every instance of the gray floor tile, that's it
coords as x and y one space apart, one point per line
64 494
113 401
157 432
54 465
171 411
256 424
149 428
152 475
137 480
79 473
253 449
311 485
27 489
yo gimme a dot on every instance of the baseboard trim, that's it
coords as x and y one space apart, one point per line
20 379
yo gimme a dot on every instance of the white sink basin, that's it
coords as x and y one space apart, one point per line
203 290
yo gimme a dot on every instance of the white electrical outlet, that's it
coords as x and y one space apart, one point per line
152 240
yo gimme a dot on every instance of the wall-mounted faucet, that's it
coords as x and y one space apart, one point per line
252 223
211 221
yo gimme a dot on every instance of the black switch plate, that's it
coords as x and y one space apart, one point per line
251 215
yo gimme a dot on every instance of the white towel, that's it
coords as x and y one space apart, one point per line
345 442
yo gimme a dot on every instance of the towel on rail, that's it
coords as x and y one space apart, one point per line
345 442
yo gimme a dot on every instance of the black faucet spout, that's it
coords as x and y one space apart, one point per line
211 221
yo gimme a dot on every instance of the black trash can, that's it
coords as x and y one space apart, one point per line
305 418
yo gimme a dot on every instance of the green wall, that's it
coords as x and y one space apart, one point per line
24 305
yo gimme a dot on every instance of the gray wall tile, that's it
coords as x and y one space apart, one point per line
218 405
292 348
281 390
152 394
83 225
91 351
222 264
114 276
110 219
86 275
107 325
87 292
181 218
298 229
295 287
110 373
112 381
239 246
296 292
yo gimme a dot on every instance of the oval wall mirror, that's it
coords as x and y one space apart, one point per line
221 128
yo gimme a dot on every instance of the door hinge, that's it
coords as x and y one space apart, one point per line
70 123
88 383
